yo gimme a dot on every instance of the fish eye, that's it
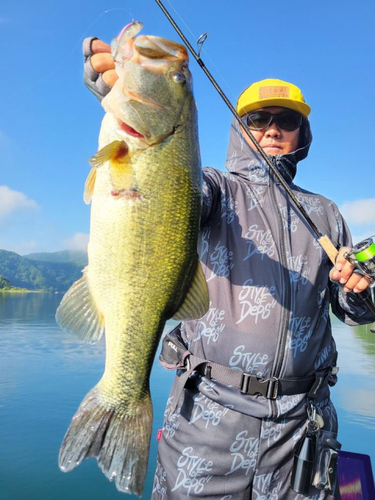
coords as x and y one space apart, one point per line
179 77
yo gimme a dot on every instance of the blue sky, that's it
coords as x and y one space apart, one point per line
49 122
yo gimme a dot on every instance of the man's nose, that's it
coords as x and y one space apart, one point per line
273 131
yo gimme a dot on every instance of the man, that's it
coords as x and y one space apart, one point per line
265 345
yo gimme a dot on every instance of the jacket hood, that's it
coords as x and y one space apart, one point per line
244 161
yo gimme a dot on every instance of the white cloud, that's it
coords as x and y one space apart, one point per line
78 241
358 236
359 212
11 201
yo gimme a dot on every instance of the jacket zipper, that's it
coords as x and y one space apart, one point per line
285 319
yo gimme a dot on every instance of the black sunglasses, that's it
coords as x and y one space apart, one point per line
260 120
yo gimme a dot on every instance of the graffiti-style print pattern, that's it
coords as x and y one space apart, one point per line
270 293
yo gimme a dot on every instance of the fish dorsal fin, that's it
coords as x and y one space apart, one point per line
197 301
115 151
78 314
89 186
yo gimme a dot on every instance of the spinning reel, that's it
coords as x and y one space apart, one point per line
362 257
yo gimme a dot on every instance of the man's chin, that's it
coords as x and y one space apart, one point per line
274 150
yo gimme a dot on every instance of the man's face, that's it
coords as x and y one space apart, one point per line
274 140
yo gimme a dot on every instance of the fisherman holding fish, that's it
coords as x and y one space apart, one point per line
259 363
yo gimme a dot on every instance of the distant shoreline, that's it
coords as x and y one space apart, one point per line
21 290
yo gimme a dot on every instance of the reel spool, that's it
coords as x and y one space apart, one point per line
362 256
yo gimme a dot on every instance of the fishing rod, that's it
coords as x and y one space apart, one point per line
367 245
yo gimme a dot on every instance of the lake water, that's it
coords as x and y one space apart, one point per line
44 374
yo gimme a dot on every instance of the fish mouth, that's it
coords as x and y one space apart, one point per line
154 47
124 127
129 130
134 106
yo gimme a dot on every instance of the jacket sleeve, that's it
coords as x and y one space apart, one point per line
210 194
348 307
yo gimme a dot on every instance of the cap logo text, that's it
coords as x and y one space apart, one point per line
273 91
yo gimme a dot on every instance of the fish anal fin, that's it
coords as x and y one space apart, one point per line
89 186
78 314
197 301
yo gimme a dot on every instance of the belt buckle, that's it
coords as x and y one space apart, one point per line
273 388
251 385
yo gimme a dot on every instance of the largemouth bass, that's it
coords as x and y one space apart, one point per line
145 189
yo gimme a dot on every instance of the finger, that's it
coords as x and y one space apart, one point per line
362 285
340 259
346 272
102 62
110 77
334 274
352 282
97 46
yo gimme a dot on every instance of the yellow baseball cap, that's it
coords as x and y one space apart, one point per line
272 92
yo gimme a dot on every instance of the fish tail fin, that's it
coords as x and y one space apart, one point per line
117 437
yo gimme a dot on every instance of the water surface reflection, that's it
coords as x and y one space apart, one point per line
45 374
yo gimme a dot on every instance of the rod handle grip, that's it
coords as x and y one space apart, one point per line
329 248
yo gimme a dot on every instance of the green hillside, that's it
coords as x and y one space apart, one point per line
37 274
79 258
4 283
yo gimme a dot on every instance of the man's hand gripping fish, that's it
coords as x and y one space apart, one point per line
145 188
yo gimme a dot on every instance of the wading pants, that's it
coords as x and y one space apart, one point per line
208 450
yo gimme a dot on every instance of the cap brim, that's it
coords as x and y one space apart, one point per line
301 107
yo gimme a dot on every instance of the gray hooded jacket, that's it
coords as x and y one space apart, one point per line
267 276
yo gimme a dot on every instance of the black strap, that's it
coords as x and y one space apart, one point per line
321 379
247 383
251 385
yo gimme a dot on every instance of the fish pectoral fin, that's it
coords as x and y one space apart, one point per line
116 150
197 300
89 186
78 314
120 168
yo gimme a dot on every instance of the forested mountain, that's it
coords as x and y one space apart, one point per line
37 274
4 283
79 258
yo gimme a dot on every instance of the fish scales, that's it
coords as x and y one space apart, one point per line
145 188
168 213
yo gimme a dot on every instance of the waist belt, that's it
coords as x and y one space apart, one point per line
175 355
250 384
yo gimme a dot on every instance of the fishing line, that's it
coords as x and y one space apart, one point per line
201 47
200 42
322 239
279 177
68 55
